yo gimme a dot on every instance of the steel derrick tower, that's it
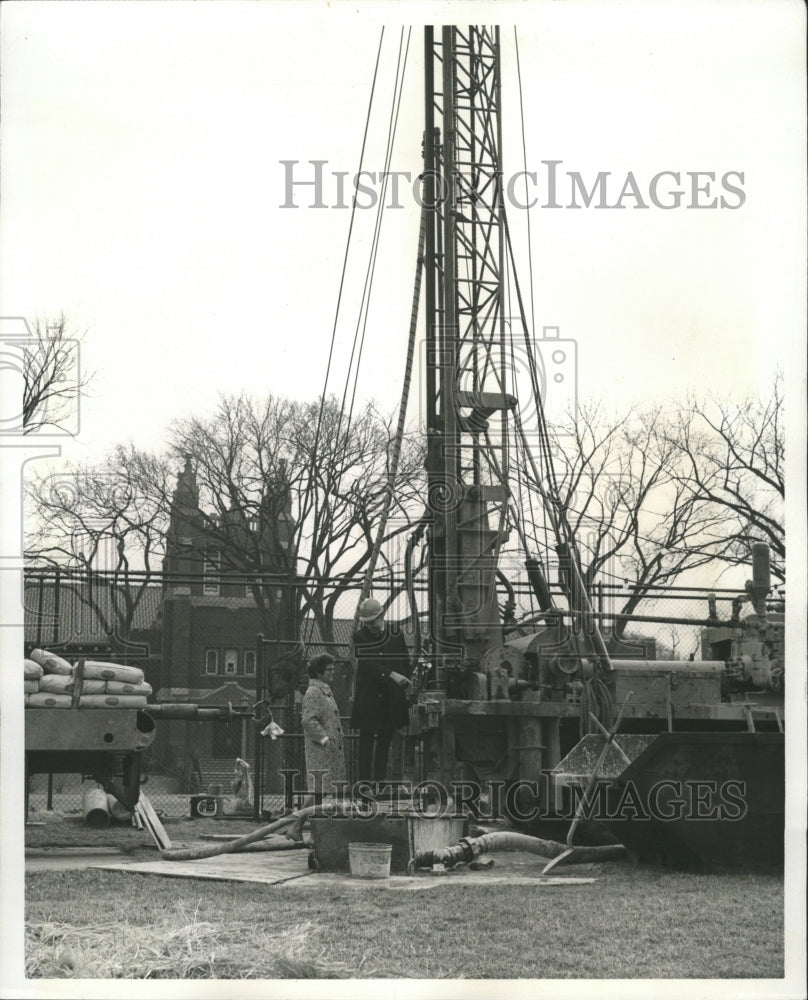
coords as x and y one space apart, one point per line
467 398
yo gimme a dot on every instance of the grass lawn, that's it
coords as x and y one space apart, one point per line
633 922
58 830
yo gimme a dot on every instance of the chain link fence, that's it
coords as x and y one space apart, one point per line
203 784
173 781
191 761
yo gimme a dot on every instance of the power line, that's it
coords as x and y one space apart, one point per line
364 308
344 264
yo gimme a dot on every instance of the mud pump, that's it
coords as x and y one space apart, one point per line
506 705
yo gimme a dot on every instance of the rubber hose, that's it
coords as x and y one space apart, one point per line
296 818
471 848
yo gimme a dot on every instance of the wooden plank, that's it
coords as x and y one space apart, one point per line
69 852
469 880
225 868
150 819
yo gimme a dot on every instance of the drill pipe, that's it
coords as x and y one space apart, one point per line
470 848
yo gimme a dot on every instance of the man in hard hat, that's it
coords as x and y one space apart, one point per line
380 698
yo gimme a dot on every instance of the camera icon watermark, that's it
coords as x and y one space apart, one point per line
541 375
551 367
88 508
40 379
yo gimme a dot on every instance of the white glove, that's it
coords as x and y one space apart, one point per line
400 679
323 741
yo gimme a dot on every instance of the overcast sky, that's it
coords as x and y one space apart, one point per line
143 185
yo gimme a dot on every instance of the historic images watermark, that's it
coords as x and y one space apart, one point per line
667 800
316 184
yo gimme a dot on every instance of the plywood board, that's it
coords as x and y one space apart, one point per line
268 870
293 871
469 880
64 858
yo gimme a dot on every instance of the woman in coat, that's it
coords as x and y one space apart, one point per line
322 729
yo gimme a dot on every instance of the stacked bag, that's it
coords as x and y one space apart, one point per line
33 675
50 682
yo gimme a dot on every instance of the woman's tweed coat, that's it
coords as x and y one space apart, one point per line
321 718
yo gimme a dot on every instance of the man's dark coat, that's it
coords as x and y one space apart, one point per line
380 703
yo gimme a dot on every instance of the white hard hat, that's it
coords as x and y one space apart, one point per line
369 610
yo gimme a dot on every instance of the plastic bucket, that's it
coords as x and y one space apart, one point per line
370 860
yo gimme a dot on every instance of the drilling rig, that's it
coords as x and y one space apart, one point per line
499 704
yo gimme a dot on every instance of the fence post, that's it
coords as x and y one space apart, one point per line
258 784
57 597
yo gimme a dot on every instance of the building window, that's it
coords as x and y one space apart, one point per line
212 661
210 572
249 661
231 661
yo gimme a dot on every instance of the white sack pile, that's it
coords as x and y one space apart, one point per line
50 682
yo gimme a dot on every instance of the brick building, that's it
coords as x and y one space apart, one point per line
210 621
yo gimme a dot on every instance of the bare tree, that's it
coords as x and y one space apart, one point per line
634 521
730 455
289 510
349 476
108 521
52 378
294 489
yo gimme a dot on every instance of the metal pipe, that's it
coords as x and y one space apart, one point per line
95 808
538 583
35 573
552 616
431 214
759 586
449 332
501 247
223 713
671 666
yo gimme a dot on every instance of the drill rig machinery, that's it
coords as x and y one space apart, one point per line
500 705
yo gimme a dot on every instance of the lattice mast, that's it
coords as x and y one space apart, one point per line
467 402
